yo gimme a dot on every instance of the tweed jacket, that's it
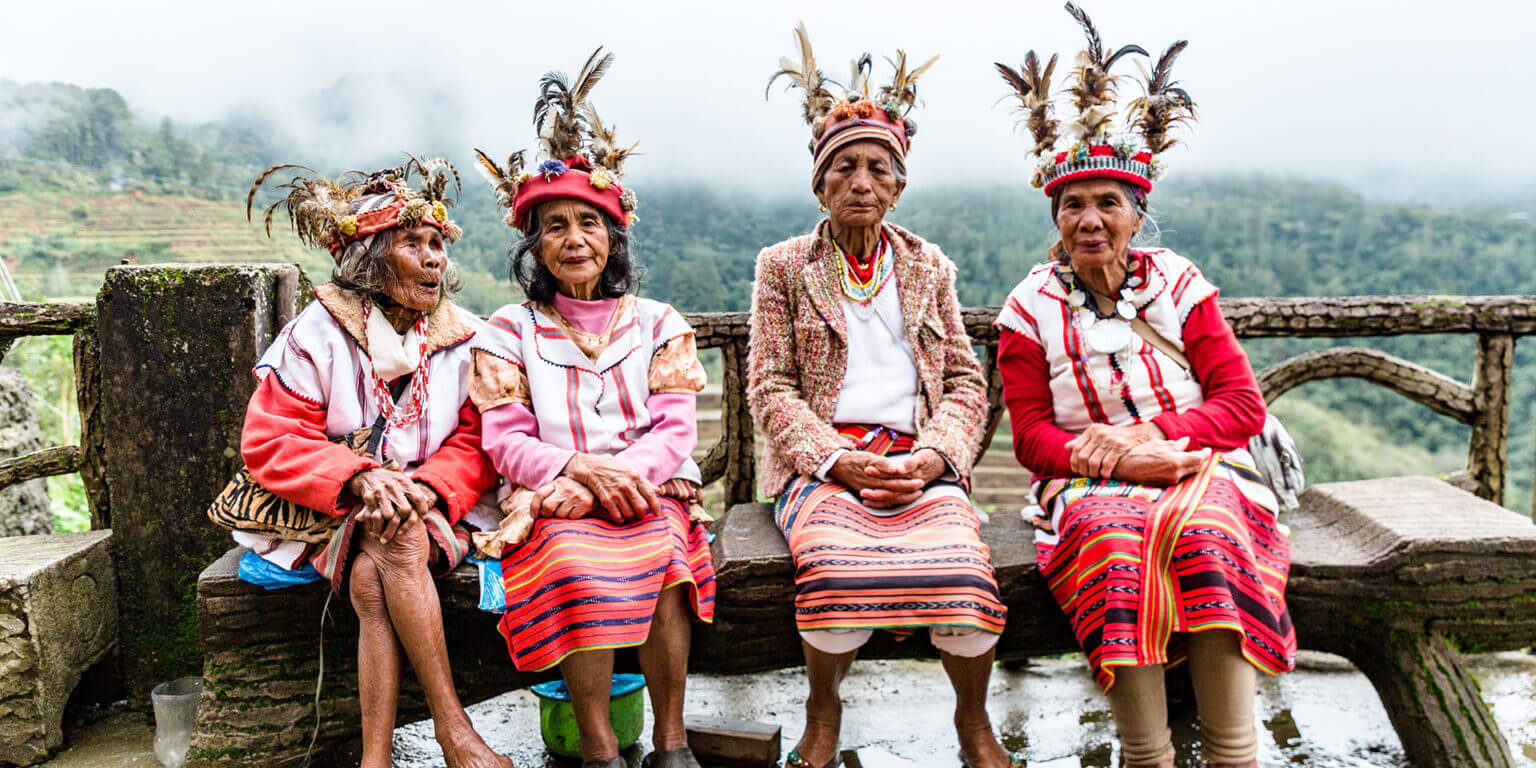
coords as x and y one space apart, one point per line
798 354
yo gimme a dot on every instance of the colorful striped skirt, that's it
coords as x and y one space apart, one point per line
1136 566
897 569
587 584
450 544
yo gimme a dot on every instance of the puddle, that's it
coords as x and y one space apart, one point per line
897 713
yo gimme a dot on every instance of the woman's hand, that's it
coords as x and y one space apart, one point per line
390 498
888 481
618 489
1098 449
1160 462
563 497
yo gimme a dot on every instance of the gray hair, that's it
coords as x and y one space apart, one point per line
363 267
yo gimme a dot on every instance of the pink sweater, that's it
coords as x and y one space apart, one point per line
511 432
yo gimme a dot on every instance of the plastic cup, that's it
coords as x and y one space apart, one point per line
175 713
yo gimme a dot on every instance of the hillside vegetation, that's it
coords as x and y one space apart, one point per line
67 211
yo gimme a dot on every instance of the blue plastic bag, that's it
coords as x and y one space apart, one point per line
493 595
255 570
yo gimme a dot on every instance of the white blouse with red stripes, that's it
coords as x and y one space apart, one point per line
592 406
1126 387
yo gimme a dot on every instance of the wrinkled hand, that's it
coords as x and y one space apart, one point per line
1160 462
1099 448
618 489
563 497
883 481
390 498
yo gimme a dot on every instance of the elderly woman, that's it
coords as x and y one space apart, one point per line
588 396
863 381
380 353
1132 403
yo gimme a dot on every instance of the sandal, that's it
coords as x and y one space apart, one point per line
796 761
672 758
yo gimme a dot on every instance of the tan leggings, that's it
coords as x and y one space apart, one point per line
1225 687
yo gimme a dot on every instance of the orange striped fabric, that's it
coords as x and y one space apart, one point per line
587 584
857 568
1136 567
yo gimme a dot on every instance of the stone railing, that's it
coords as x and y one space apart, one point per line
1482 404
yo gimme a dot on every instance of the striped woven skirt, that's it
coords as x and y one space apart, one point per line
921 565
587 584
1136 566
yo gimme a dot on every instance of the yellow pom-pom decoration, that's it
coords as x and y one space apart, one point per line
600 178
440 212
347 225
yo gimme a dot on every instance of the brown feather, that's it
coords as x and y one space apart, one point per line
1164 105
807 77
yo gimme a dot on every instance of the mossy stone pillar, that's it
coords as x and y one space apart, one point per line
176 344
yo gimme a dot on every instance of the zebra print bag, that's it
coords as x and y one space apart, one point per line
244 505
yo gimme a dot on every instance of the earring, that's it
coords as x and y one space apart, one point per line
893 205
822 207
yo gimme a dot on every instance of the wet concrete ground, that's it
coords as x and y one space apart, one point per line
1325 715
897 715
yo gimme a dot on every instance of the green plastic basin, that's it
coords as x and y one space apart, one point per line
557 720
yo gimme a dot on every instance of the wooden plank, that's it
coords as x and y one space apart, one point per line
46 463
733 742
24 318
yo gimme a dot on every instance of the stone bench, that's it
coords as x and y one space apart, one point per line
58 618
1394 574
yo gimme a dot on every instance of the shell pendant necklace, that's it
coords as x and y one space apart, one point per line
1108 333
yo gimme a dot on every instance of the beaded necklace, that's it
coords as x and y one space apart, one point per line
863 281
416 407
1107 333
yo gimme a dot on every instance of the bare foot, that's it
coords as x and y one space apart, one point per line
978 745
463 748
818 745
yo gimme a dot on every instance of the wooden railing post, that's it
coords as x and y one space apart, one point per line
1487 455
736 425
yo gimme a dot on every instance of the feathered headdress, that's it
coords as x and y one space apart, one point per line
579 156
1096 152
858 115
330 213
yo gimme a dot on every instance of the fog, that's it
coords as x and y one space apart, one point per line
1426 100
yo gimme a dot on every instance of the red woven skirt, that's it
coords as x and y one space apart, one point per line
862 568
1135 566
587 584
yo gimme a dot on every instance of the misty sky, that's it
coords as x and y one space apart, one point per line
1367 92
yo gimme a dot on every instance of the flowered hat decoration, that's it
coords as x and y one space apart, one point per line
331 214
579 157
1096 152
859 115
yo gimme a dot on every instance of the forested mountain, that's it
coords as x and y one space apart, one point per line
1253 235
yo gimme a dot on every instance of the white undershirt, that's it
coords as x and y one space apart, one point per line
880 382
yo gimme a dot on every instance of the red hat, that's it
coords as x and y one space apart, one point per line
1126 162
331 214
573 178
591 158
394 206
860 120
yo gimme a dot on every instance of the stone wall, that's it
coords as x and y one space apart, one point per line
175 348
23 507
